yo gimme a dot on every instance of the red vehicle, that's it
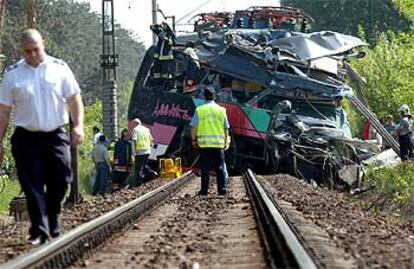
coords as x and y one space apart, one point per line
256 17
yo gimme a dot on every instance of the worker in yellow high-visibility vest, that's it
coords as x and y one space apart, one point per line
209 134
142 141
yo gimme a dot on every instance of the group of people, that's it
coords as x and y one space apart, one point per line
43 92
403 132
116 173
209 135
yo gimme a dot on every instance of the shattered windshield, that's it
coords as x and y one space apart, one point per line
320 113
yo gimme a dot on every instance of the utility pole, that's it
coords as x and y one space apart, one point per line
109 62
31 13
74 196
2 12
154 19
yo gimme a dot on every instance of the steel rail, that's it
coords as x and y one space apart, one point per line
81 241
282 244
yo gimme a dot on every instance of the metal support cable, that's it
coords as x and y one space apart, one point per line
375 123
193 11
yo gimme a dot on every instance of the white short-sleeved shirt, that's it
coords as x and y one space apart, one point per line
96 138
38 94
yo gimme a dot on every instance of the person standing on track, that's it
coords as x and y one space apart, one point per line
41 90
209 134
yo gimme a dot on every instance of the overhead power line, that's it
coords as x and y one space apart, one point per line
193 11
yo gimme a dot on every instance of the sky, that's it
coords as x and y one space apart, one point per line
136 14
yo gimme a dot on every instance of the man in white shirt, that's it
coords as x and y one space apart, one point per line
41 89
96 134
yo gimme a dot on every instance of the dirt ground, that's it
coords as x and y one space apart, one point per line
375 239
189 231
13 236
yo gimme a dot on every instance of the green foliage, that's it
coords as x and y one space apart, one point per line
123 103
130 53
344 16
405 7
388 71
356 120
93 117
396 183
11 190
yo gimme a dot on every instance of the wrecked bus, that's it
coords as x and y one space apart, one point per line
283 89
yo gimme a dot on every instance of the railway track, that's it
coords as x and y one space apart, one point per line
170 227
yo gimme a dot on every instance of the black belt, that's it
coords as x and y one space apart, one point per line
22 130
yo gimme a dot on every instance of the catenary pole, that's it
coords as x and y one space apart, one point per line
154 19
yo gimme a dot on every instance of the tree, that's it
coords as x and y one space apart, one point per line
345 16
388 70
405 7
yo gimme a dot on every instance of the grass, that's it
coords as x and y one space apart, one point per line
394 182
11 190
84 175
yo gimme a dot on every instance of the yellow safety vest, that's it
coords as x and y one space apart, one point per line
143 141
210 129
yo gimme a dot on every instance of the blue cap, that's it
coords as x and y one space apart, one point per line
209 91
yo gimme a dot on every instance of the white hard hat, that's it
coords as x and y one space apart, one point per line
405 109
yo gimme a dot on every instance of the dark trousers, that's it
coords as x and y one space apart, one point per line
406 147
43 167
119 177
100 187
140 164
211 158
